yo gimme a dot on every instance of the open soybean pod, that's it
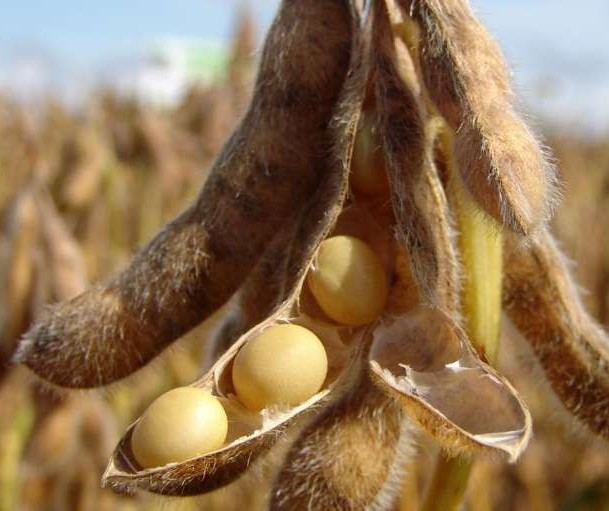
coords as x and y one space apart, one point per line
250 432
280 276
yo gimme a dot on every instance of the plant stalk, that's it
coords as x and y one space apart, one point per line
481 252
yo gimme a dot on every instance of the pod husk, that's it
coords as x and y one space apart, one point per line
542 300
350 456
280 277
218 468
408 134
426 361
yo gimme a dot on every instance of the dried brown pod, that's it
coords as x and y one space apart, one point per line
18 150
62 257
65 454
209 115
502 163
161 138
54 442
350 457
44 263
419 200
583 167
543 302
80 184
17 273
250 433
241 67
266 173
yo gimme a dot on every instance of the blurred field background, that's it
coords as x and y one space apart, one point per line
82 188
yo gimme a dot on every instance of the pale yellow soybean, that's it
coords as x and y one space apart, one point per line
183 423
368 171
283 366
348 281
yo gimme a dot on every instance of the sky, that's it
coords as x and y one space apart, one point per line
557 48
85 31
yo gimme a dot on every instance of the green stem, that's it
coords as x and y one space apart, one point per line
448 484
481 252
13 441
